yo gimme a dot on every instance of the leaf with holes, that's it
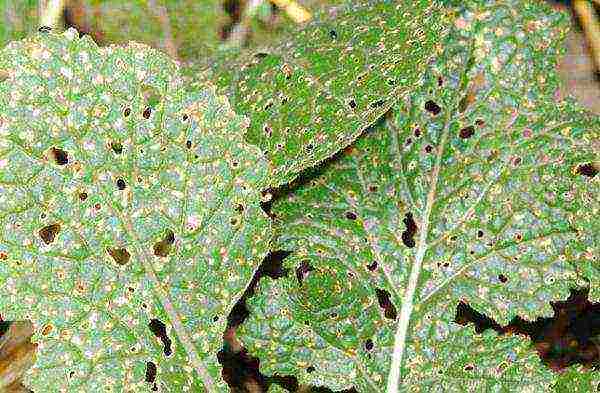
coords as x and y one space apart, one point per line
130 208
479 190
321 87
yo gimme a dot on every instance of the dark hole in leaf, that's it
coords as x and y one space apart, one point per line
310 369
240 368
383 298
567 338
150 372
428 149
517 161
369 344
239 208
333 315
159 329
284 100
372 266
352 104
269 105
163 247
121 184
410 231
503 279
147 112
60 156
479 123
45 29
261 55
185 117
188 144
351 215
391 82
440 81
408 141
127 112
588 170
432 107
377 104
48 233
373 188
116 147
333 34
272 267
120 255
469 367
417 132
215 318
480 233
467 132
302 270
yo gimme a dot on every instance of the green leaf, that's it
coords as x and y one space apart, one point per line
129 204
471 190
315 92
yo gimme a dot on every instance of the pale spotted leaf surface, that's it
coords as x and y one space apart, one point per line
475 182
129 204
313 94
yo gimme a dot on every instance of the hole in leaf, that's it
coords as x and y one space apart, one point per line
333 34
163 247
121 184
352 104
120 255
188 144
48 233
432 107
372 266
127 112
503 279
45 29
310 369
261 55
116 147
417 132
428 149
185 117
369 344
159 329
351 215
240 368
567 338
383 298
440 81
61 157
302 270
83 196
588 170
480 233
411 229
147 112
479 123
467 132
150 372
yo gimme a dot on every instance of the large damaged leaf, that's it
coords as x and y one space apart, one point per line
129 207
315 92
479 189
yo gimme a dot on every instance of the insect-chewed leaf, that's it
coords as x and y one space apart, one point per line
478 200
120 212
321 87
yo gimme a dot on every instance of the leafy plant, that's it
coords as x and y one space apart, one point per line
130 201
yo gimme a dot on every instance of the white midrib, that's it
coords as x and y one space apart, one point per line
409 294
193 356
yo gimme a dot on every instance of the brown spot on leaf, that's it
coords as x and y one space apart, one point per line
120 255
147 112
163 247
61 157
48 233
